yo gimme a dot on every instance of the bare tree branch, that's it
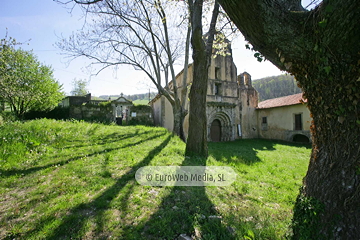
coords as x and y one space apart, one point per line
87 2
126 32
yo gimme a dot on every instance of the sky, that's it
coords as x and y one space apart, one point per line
42 23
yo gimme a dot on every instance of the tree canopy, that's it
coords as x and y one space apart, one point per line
79 87
25 83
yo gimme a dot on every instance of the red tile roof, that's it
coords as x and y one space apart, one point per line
281 101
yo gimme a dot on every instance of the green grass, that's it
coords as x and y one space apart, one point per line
75 180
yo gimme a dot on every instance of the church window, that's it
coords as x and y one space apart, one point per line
217 73
246 80
217 89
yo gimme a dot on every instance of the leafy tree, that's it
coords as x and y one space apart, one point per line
25 83
79 87
321 49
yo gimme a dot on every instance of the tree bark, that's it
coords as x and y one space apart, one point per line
179 116
184 86
321 48
197 139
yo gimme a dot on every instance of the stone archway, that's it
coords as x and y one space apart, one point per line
215 131
300 138
220 127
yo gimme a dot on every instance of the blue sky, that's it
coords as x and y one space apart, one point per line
45 21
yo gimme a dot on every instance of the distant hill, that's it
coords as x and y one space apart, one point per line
276 86
142 98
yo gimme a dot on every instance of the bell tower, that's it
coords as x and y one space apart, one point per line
248 99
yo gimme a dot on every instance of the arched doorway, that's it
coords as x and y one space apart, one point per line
220 126
215 131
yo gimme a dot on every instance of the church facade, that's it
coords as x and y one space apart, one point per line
233 110
231 102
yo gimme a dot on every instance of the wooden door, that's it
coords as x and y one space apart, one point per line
215 131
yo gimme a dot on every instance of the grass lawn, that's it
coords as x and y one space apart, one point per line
75 180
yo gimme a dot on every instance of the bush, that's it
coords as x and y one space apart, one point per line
7 117
143 120
58 113
305 222
105 104
140 108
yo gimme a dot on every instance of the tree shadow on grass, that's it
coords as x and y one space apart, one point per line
72 224
185 210
30 170
107 139
245 150
189 210
239 151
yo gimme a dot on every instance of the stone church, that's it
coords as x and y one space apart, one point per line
231 102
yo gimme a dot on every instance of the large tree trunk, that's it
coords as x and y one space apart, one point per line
197 139
321 48
328 206
179 116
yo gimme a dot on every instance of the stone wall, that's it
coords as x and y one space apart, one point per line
91 112
100 113
141 114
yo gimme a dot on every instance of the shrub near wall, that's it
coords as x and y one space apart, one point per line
143 115
7 116
142 120
93 113
58 113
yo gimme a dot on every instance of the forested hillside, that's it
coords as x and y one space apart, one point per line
142 96
276 86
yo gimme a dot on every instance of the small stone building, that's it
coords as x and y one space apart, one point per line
121 109
285 118
75 100
83 107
